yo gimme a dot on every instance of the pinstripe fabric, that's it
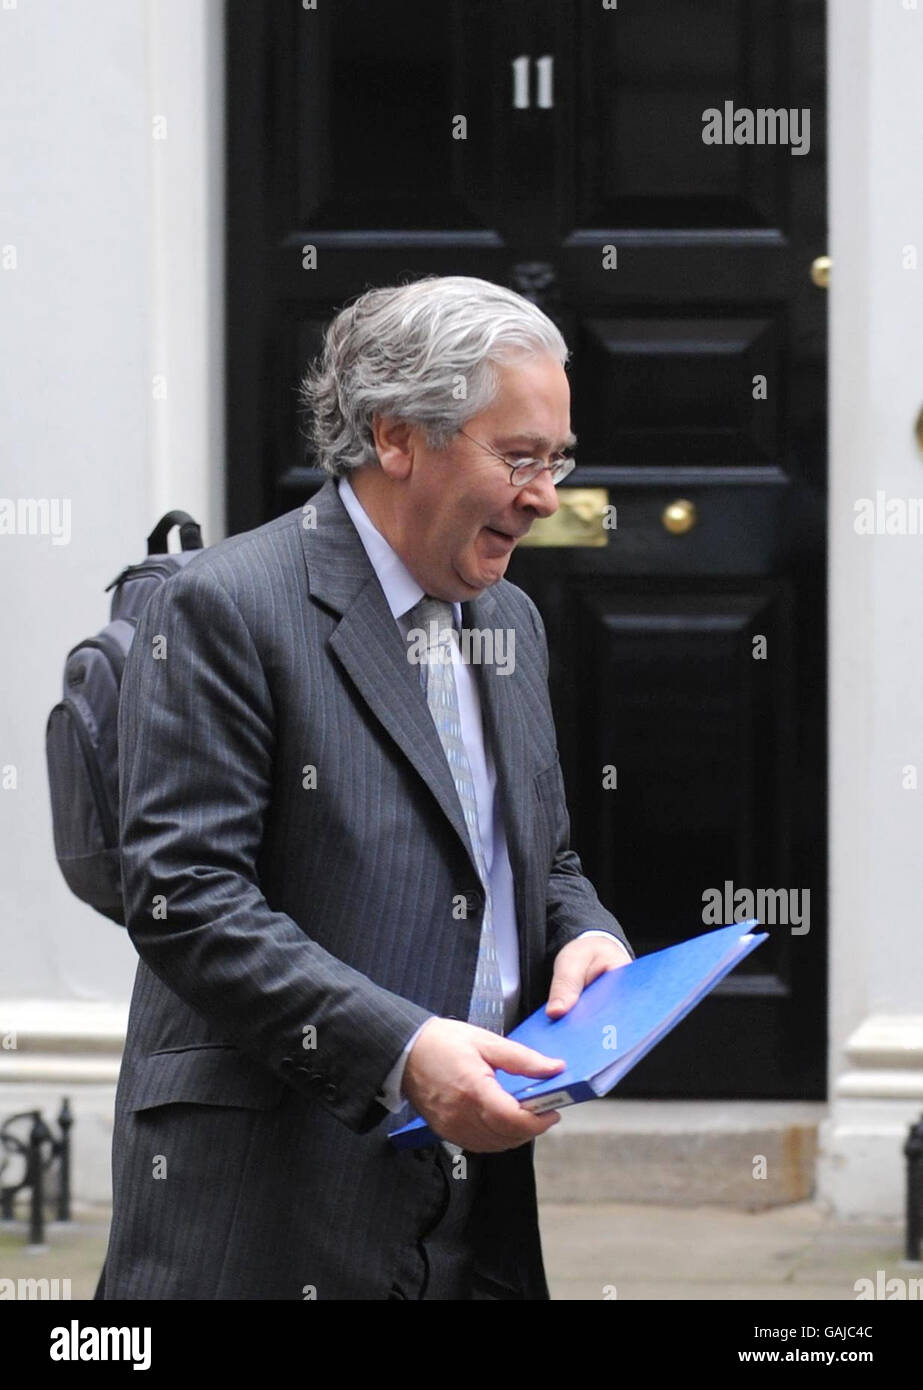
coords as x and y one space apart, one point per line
292 845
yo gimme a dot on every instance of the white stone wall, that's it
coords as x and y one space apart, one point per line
111 269
876 583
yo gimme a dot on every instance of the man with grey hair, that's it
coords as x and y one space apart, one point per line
347 870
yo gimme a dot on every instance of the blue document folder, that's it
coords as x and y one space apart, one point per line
615 1022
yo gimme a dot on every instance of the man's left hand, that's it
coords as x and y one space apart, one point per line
577 964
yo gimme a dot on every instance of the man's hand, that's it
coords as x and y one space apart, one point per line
577 964
449 1079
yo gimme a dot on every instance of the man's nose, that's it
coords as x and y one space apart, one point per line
540 494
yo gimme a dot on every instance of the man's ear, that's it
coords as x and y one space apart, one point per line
394 444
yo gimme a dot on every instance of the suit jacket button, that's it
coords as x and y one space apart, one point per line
287 1064
473 901
330 1090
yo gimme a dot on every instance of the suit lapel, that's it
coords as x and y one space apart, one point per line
368 643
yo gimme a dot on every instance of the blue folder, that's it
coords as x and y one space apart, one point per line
615 1022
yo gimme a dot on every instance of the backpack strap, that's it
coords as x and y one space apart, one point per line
190 535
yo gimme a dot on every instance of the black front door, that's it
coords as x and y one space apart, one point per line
654 176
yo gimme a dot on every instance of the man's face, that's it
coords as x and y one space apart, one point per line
455 516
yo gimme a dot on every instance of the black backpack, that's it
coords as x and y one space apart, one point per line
81 736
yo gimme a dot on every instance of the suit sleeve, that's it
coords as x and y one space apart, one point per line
196 740
572 905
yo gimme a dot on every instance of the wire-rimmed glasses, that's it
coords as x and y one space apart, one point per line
523 471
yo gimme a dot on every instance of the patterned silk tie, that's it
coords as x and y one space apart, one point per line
435 617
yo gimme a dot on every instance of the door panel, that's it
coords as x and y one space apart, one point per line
658 390
687 631
642 77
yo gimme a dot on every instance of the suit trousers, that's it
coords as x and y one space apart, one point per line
445 1262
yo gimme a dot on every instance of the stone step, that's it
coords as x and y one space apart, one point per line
743 1154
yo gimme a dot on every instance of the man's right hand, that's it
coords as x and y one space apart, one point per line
449 1080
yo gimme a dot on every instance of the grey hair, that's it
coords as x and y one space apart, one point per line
423 352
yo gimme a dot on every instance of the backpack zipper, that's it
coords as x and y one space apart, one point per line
136 571
110 649
110 832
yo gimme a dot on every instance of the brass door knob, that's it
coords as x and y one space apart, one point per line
820 271
679 517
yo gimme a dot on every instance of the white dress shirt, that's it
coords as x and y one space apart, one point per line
401 593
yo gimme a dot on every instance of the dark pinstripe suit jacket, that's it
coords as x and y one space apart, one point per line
269 914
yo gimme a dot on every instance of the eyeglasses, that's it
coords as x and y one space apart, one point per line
523 471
